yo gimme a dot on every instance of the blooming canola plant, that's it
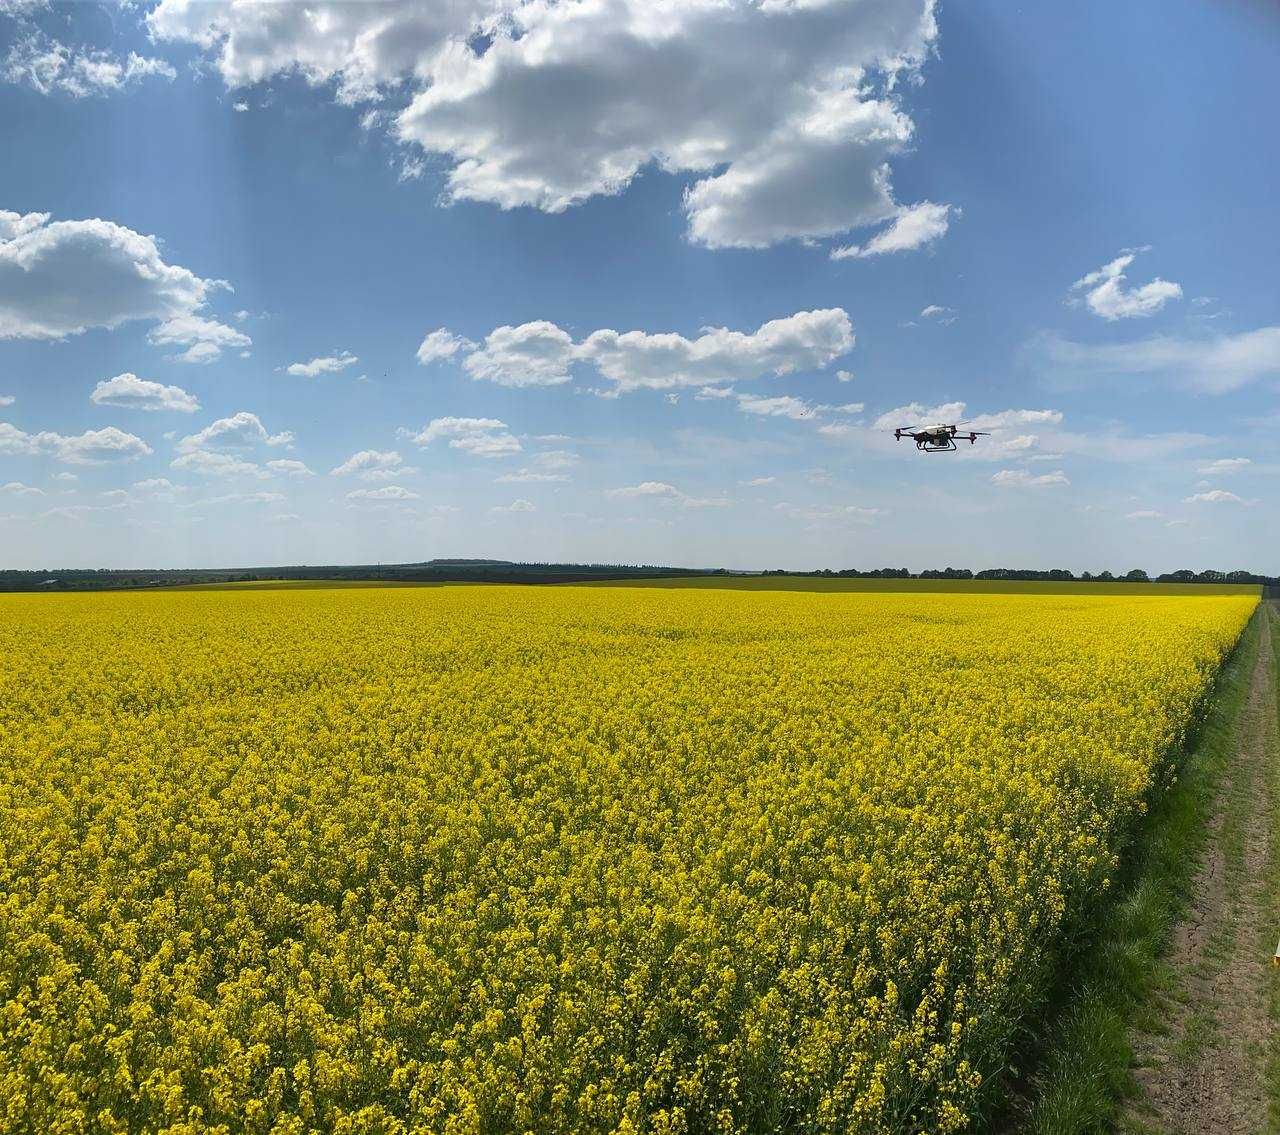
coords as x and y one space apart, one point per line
558 860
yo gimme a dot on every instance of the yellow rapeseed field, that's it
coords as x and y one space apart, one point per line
556 860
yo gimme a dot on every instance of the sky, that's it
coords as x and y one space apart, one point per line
639 281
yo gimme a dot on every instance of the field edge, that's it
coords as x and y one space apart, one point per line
1083 1065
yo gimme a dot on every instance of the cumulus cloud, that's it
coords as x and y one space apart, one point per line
555 459
18 489
328 364
132 392
441 344
204 339
480 437
515 506
783 406
529 477
637 359
534 354
242 430
210 463
918 414
386 493
1215 364
645 489
820 517
1021 479
371 464
261 497
661 491
93 447
158 490
786 114
62 278
46 65
1106 294
541 354
1213 496
289 467
914 227
1224 465
7 399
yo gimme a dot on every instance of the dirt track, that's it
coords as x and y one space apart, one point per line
1205 1071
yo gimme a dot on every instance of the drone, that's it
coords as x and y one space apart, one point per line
937 439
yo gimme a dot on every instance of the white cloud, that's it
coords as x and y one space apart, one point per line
386 493
515 506
844 375
787 113
645 489
212 464
289 467
369 461
159 490
1144 514
914 227
1011 419
637 359
831 516
329 364
758 482
205 339
917 414
441 344
782 406
480 437
242 430
62 278
555 459
1106 295
1213 496
1224 465
1217 364
539 353
939 314
529 477
93 447
132 392
1021 479
533 354
661 491
244 498
18 489
7 399
48 66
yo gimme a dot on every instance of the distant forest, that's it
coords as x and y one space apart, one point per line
502 571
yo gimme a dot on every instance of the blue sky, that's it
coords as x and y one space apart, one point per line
609 281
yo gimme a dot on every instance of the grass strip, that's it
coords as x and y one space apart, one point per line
1114 983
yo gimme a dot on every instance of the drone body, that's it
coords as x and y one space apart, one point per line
936 439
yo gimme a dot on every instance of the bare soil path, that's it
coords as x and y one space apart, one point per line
1205 1069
